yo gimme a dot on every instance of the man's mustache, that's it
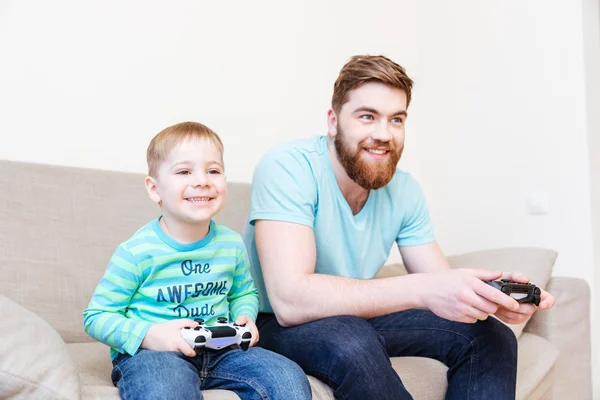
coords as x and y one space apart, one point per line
379 144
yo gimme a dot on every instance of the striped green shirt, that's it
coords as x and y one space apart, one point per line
152 278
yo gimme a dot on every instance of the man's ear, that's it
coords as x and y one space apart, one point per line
332 123
152 189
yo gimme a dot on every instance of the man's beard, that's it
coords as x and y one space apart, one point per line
369 175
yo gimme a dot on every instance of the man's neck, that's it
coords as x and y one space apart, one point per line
356 196
182 232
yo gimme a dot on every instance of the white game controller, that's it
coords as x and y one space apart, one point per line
218 336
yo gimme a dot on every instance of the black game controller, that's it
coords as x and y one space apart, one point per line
521 292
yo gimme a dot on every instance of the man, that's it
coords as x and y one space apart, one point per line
324 214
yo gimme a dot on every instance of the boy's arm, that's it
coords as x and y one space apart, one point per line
243 296
104 319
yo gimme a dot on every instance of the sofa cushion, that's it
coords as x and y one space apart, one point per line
35 362
423 377
535 263
93 361
537 358
47 209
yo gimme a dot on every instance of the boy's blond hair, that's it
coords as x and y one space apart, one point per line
162 144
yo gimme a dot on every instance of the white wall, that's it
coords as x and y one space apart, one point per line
591 30
90 83
503 113
499 105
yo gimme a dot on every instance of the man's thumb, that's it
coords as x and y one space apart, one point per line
485 274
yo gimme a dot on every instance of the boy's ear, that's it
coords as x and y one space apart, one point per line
152 189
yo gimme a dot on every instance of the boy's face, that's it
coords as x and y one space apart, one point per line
190 183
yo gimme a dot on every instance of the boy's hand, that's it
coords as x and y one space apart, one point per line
167 337
243 319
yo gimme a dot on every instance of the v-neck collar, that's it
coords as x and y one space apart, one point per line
337 189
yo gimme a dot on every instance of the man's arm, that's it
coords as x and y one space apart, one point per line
287 255
429 258
424 258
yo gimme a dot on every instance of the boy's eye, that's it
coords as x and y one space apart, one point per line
214 171
183 172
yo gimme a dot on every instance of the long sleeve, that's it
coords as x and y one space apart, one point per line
243 296
104 318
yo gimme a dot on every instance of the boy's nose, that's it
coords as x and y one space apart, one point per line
201 180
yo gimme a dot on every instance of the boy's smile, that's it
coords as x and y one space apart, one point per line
190 186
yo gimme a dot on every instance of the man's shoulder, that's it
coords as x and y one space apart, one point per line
296 160
402 182
298 148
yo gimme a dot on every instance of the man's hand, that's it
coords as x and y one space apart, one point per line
525 310
462 295
167 337
243 319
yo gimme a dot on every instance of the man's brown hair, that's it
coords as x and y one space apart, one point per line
366 68
162 144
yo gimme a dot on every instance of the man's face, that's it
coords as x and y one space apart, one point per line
190 183
369 134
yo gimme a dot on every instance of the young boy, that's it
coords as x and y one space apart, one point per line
179 267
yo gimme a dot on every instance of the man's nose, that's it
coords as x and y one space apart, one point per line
382 132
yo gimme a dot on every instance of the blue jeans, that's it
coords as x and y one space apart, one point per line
351 354
252 374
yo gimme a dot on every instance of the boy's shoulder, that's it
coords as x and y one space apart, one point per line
145 234
228 237
224 233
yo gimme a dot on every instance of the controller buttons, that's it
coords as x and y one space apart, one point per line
222 320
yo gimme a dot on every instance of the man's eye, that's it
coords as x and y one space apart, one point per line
184 172
397 120
367 117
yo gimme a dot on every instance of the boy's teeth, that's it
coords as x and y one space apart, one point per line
199 199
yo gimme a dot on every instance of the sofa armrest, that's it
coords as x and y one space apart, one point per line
567 326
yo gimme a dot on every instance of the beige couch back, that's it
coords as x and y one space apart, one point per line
59 227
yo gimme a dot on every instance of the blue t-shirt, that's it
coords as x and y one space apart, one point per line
294 182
